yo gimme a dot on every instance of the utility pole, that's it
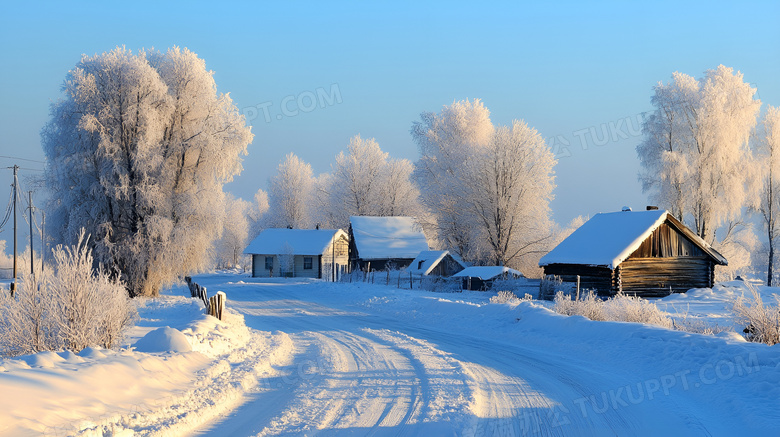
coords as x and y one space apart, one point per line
16 185
43 239
32 254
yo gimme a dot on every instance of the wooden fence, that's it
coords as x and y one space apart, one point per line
215 305
402 280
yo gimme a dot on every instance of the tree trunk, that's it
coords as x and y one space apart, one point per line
770 263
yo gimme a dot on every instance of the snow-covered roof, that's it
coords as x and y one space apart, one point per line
430 259
387 237
607 239
486 272
277 241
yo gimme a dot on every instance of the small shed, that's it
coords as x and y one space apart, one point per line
308 253
380 242
481 278
436 263
644 253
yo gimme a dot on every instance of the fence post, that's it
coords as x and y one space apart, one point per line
217 305
411 284
578 287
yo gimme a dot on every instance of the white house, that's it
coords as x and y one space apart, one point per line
378 242
308 253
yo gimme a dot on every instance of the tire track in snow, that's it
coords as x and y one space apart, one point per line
381 375
359 385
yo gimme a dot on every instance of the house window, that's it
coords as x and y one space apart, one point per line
307 263
419 265
269 263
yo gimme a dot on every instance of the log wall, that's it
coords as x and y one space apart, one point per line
600 279
649 277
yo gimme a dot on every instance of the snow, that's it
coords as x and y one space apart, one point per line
387 237
165 339
430 259
301 241
304 357
607 239
712 305
486 272
126 391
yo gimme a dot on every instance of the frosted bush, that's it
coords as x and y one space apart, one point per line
26 325
506 296
590 306
563 304
620 308
625 308
698 326
67 306
761 321
550 285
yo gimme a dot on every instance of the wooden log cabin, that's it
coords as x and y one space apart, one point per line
643 253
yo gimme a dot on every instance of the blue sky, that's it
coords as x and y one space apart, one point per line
572 70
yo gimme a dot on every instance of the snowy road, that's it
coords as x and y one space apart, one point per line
358 373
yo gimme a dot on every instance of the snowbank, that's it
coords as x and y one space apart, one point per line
165 339
179 369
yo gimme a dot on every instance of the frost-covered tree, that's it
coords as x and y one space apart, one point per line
6 262
366 181
291 192
510 195
256 213
447 142
769 204
401 197
738 244
489 187
137 153
667 142
695 148
235 233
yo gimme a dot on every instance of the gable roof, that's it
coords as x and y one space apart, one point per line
274 241
486 272
430 259
607 239
387 237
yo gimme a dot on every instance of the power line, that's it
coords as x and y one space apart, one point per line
22 159
23 168
8 210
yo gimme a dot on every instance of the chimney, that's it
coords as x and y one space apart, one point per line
652 208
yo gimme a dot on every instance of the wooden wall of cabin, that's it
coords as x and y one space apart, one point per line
446 267
666 242
666 261
653 277
600 279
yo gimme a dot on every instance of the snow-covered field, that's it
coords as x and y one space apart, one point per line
307 357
